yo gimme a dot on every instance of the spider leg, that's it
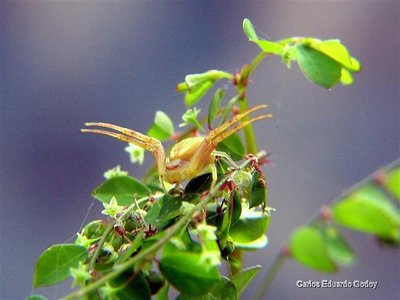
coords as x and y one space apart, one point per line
222 132
130 136
126 135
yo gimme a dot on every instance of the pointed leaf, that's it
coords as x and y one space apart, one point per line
228 109
123 188
187 273
162 128
214 106
53 264
258 190
199 84
308 247
317 66
196 93
243 279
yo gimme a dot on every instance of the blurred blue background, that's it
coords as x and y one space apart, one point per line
64 63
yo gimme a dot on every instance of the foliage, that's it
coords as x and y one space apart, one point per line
159 236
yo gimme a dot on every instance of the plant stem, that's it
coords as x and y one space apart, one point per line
270 275
251 145
157 245
100 245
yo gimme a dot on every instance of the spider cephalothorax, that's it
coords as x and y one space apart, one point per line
188 158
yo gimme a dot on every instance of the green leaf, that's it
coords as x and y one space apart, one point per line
197 92
258 190
54 263
123 188
243 279
163 293
249 30
338 248
228 109
188 274
370 211
346 78
337 51
259 243
268 46
251 226
170 209
317 66
36 297
224 290
392 182
232 146
214 106
309 248
199 84
162 128
131 286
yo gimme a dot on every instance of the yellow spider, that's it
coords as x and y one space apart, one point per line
188 158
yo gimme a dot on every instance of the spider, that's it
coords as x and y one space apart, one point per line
188 158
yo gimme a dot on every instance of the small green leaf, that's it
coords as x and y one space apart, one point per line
258 190
194 80
214 106
268 46
338 248
369 210
162 128
54 263
228 109
187 274
346 78
197 92
250 227
249 30
123 188
36 297
243 279
317 66
393 182
232 146
199 84
309 248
